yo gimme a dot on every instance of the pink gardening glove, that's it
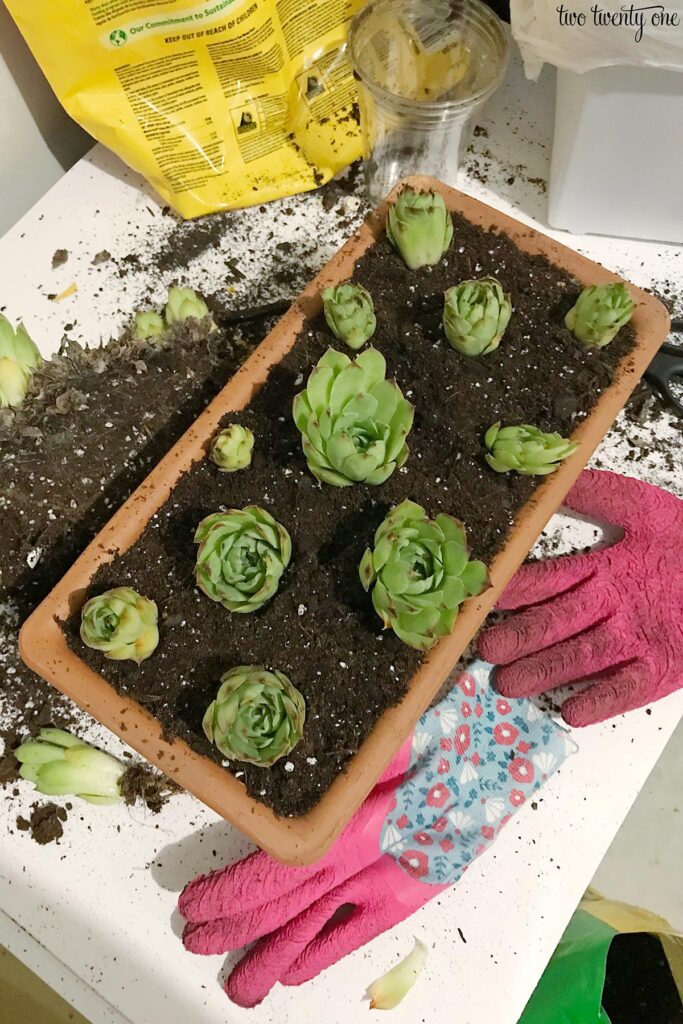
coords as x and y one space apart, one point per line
471 762
613 616
287 907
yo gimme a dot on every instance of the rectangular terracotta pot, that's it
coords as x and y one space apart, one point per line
305 839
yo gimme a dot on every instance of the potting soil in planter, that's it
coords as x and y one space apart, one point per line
320 628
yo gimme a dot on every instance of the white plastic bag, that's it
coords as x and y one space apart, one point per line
581 35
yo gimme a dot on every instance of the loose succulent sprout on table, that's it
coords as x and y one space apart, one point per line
526 450
420 573
353 421
232 448
59 764
420 227
241 556
19 357
120 623
599 313
350 313
258 716
475 316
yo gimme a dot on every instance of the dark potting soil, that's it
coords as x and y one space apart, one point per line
94 423
320 628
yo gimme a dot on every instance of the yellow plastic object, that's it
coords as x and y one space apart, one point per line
219 104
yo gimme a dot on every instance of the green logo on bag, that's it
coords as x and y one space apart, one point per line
118 37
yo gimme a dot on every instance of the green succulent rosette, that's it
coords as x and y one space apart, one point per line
241 556
420 227
120 623
420 573
353 421
475 316
183 303
258 716
526 450
149 325
232 448
19 357
350 313
599 312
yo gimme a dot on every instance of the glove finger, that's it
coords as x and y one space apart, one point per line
380 902
363 925
539 581
567 662
240 888
620 499
245 926
267 962
625 689
541 626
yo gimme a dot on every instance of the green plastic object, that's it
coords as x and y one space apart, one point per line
570 989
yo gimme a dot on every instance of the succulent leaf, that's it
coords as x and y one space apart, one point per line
475 316
526 450
599 312
241 556
120 623
258 716
353 422
19 357
59 764
183 303
420 227
350 313
232 447
387 992
148 324
420 573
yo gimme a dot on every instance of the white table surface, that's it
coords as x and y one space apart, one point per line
95 913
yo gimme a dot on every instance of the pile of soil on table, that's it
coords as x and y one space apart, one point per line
320 628
94 423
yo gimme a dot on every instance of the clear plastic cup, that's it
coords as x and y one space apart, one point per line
423 69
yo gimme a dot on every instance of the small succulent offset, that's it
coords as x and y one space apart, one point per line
475 316
231 448
350 313
258 716
149 324
59 764
184 303
181 304
420 227
526 450
19 357
353 422
242 555
120 623
421 573
599 312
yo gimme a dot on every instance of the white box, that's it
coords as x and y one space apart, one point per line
617 159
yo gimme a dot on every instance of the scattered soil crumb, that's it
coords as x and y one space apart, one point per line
59 258
45 823
8 762
140 782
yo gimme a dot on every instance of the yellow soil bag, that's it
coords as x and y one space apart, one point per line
219 104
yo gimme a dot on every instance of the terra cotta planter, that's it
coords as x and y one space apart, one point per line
304 839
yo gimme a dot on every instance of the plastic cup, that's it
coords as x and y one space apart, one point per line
423 70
